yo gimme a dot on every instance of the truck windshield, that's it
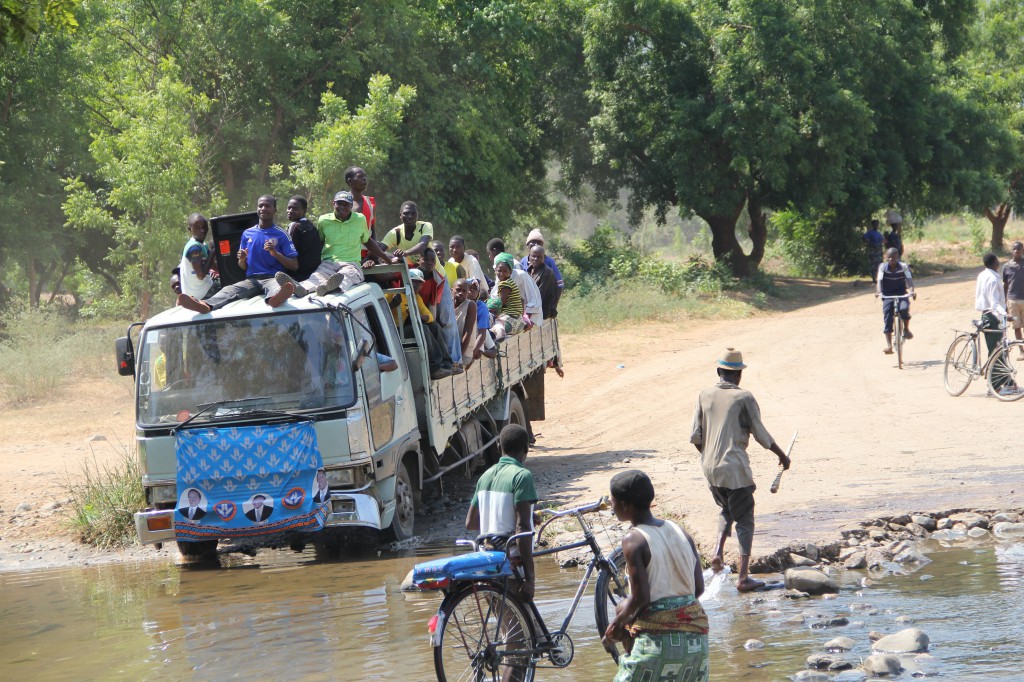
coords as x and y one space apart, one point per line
280 362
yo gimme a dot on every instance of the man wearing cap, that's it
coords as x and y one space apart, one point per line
344 234
725 418
535 238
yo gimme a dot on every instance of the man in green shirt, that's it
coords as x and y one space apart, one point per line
503 503
344 233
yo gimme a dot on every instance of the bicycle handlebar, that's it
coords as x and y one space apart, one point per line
602 503
884 297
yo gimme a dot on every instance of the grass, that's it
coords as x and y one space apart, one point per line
104 500
41 350
607 307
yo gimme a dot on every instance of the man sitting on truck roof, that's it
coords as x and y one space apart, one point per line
344 234
438 297
264 250
412 237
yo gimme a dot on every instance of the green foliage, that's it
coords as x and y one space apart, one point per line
319 160
22 19
104 499
823 246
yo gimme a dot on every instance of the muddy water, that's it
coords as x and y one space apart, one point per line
288 616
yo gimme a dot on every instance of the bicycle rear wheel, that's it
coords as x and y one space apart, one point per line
961 365
611 589
484 636
1003 376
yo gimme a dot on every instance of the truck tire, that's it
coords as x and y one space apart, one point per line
197 552
404 520
516 412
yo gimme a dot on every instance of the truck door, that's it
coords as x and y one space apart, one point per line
386 392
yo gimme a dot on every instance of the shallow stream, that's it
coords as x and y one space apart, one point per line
289 616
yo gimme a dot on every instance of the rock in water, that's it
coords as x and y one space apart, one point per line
810 580
811 676
909 641
856 560
970 519
1009 529
882 665
977 533
926 522
798 560
840 644
752 644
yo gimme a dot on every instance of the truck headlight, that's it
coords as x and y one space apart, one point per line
341 477
160 494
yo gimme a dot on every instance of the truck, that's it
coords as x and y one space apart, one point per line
224 387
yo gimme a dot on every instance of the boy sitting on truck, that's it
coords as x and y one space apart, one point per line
264 250
439 361
195 272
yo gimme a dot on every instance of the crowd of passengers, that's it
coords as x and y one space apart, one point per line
465 313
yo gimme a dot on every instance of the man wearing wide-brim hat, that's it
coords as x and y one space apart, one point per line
725 418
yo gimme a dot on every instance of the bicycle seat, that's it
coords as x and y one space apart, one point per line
978 324
440 573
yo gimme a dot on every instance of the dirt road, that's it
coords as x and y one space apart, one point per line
873 439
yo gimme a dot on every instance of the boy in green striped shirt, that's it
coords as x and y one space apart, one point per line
503 503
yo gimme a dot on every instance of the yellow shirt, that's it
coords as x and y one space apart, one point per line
453 271
400 311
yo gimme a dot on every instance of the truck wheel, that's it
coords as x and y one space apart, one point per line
516 411
405 506
197 552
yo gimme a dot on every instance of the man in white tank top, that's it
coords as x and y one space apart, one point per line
661 624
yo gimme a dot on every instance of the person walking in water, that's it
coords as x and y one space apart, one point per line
661 625
725 418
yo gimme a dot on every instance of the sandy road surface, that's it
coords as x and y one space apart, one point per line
873 439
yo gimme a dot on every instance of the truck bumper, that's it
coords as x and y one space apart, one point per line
156 525
353 509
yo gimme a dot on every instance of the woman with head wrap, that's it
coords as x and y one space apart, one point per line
509 316
661 624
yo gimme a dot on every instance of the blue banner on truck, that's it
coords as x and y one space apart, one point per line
249 482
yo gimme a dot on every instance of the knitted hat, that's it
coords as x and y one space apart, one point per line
535 236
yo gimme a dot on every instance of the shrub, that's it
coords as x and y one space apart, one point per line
823 246
104 501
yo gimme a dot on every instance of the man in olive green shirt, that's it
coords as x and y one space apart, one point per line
344 233
725 418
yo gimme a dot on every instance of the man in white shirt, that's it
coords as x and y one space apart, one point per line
990 301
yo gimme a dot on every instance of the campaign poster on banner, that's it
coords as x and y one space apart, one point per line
249 481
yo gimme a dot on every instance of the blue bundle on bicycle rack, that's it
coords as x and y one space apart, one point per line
440 573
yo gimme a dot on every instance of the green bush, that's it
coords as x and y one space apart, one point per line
104 501
823 246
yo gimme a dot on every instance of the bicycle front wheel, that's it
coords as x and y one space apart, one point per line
1003 377
484 636
961 365
899 339
612 587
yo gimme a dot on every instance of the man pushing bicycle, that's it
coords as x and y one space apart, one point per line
893 284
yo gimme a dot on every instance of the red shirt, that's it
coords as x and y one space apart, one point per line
432 289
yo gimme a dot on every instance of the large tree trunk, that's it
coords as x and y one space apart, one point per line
998 218
146 296
726 246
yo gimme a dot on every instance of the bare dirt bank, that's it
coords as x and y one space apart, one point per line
874 440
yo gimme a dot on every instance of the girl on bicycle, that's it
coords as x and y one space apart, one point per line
894 279
661 624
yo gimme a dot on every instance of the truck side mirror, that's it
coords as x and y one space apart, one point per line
125 355
362 352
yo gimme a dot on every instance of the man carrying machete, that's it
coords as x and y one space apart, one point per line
725 418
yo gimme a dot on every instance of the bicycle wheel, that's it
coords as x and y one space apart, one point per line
611 589
898 340
484 636
1003 377
961 365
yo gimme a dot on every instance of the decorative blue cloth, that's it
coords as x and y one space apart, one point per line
248 482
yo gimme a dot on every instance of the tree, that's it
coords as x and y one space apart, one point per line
21 20
148 160
713 107
320 159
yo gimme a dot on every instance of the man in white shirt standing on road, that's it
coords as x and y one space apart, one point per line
990 301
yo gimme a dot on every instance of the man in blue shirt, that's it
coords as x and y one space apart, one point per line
535 238
873 242
264 250
894 280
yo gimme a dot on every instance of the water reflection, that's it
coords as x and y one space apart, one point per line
288 616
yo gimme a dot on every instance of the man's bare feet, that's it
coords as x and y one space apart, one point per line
716 563
887 351
193 303
286 291
749 585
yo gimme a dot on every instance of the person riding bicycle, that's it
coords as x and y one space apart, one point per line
894 279
661 624
503 504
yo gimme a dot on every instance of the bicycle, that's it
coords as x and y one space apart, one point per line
999 370
484 631
898 327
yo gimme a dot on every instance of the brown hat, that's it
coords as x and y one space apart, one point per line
731 359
